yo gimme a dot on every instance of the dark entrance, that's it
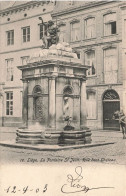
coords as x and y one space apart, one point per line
111 103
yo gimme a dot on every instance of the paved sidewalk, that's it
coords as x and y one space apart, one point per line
8 129
106 135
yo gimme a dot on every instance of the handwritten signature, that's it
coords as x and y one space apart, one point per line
74 184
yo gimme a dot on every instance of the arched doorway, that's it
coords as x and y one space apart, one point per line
111 103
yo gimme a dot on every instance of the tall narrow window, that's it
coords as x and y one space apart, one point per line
90 28
43 30
110 24
90 60
78 55
110 65
24 60
9 70
125 28
10 37
75 31
26 34
71 2
9 103
91 105
62 33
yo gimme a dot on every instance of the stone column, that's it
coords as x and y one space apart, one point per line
52 103
25 104
83 121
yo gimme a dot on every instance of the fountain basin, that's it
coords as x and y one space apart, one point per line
53 137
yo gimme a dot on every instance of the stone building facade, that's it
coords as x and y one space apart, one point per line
123 8
94 30
21 33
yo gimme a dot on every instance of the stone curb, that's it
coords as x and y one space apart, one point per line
50 147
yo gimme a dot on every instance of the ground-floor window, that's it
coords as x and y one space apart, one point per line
91 105
9 103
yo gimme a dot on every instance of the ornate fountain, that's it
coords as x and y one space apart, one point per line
54 82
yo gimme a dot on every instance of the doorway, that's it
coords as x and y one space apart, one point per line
111 103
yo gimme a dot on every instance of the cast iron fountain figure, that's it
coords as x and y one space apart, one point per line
68 119
51 35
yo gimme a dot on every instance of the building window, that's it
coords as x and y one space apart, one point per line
78 55
90 60
110 65
10 37
10 70
91 105
125 28
90 28
62 33
110 24
9 103
71 2
24 60
26 34
43 30
75 31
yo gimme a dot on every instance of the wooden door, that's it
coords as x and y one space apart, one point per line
109 107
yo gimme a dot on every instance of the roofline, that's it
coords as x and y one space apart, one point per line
29 3
79 8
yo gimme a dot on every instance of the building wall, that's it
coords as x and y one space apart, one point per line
123 8
71 13
64 13
15 18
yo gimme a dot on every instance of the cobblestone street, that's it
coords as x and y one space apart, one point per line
112 153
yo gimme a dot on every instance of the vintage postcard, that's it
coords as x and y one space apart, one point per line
62 98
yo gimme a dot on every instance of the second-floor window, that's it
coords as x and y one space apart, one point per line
9 70
125 28
10 37
90 60
110 24
110 65
62 33
91 105
75 31
43 30
9 103
24 60
26 34
90 28
71 2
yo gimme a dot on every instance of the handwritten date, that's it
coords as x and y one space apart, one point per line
26 189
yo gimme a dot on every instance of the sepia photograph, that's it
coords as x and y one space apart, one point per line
63 98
